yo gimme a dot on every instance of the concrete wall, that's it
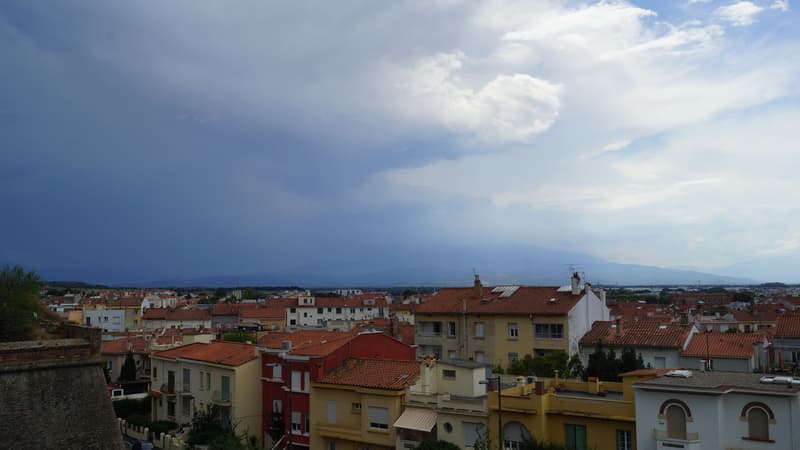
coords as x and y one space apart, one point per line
54 395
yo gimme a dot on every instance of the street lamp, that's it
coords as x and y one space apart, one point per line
488 381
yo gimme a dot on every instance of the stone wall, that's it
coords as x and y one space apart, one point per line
53 395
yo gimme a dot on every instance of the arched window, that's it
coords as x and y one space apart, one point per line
676 422
515 435
757 424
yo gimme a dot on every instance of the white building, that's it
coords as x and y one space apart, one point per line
110 320
348 292
313 311
696 410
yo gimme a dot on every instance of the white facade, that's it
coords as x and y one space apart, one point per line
109 320
348 292
581 317
717 417
308 314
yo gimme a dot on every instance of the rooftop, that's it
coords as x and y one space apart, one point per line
788 326
225 353
522 300
718 382
644 333
723 345
374 373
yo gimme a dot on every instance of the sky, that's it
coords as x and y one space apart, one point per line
151 140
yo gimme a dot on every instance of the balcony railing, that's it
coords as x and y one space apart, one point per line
221 397
676 436
167 388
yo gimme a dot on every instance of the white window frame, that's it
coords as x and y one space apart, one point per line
513 330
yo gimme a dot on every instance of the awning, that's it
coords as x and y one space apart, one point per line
417 419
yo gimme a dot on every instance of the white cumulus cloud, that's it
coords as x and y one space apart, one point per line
739 14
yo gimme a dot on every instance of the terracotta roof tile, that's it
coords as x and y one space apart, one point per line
262 313
307 342
525 300
645 333
723 345
121 346
225 353
373 373
788 325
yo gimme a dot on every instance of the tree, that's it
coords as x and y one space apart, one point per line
436 445
575 366
128 371
20 309
239 336
484 441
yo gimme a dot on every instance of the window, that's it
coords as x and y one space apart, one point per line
187 380
352 310
437 328
548 330
624 440
451 329
202 379
297 423
331 411
225 387
757 424
479 331
293 310
338 310
513 331
575 437
305 314
208 380
448 427
186 405
356 407
676 422
448 373
171 408
512 357
277 406
331 445
276 372
308 422
306 381
292 322
319 310
470 433
378 417
480 356
296 381
155 372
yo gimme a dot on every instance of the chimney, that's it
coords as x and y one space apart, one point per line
576 284
476 287
684 319
619 327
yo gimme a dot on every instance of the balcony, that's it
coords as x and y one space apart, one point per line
339 431
167 388
222 398
669 441
463 404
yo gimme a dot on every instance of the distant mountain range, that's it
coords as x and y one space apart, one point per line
442 267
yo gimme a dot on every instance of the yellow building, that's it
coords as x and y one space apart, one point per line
188 379
501 324
356 405
578 415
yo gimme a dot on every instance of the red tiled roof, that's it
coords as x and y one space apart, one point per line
373 373
755 316
176 314
225 353
307 342
526 300
788 326
120 346
129 302
262 313
644 333
723 345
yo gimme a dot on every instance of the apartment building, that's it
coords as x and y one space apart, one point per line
500 324
448 402
575 414
357 403
310 311
292 362
721 410
193 377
